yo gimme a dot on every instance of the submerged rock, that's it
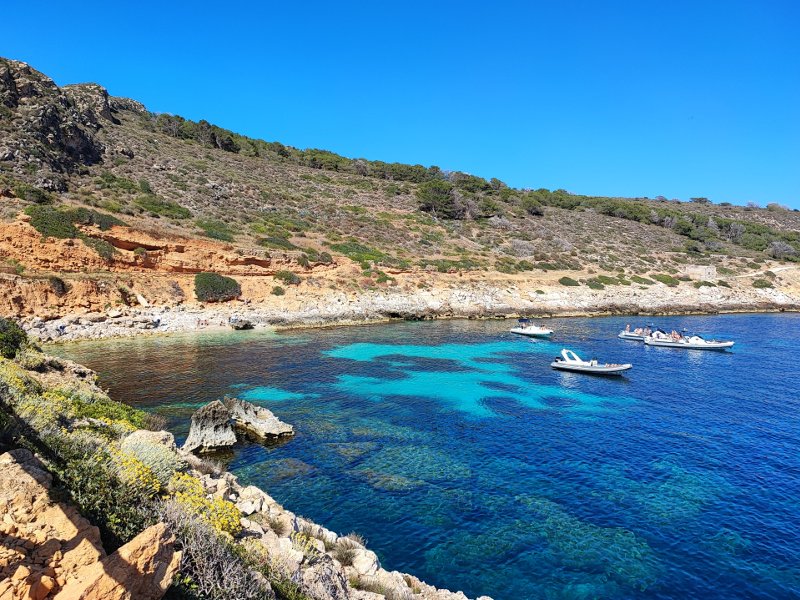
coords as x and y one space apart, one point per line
256 420
211 428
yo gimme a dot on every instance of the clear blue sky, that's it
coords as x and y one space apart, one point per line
636 98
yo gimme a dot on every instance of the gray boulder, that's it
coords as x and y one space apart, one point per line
323 581
240 323
211 429
256 420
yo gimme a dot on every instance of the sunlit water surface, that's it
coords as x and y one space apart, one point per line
464 459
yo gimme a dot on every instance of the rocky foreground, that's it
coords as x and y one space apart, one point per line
48 550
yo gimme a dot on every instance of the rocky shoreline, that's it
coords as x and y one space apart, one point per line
467 303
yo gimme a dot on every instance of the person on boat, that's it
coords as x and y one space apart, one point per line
628 328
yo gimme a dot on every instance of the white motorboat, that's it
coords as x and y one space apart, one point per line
630 335
569 361
636 335
692 342
525 327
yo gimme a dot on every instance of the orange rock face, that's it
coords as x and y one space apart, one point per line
135 251
48 550
43 543
141 570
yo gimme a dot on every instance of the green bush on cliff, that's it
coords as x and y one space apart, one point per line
568 281
60 223
216 229
666 279
287 277
762 284
212 287
12 338
161 207
31 193
51 222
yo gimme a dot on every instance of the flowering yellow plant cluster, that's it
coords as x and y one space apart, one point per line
219 513
135 473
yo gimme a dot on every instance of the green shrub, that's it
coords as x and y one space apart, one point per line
31 193
699 284
445 265
642 280
212 287
666 279
51 222
287 277
532 206
568 281
606 280
594 284
109 181
437 197
762 284
358 252
216 229
12 338
85 216
211 562
162 207
102 247
18 267
278 291
723 283
276 241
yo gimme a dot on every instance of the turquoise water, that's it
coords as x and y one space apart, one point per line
464 459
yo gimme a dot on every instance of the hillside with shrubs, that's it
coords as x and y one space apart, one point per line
76 162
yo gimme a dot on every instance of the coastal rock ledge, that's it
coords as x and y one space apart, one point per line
213 425
256 420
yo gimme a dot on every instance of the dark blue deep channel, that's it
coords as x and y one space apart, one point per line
464 459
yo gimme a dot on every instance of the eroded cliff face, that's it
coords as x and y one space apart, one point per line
48 550
134 252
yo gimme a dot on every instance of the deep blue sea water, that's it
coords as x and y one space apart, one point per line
464 459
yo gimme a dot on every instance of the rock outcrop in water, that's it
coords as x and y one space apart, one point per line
256 420
213 425
211 428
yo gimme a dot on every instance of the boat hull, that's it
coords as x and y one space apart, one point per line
719 346
590 369
631 336
536 334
